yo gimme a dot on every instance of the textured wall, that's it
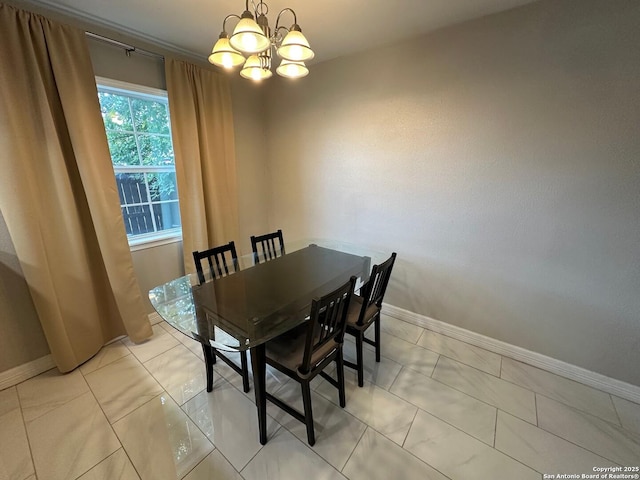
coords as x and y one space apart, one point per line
500 159
251 154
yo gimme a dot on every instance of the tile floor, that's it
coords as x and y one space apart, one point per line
434 408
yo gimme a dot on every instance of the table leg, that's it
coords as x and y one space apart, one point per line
209 360
260 389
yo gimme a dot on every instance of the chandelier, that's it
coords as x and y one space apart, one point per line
252 45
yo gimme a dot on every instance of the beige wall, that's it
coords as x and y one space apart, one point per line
500 159
249 123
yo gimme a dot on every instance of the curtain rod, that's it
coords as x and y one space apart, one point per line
127 48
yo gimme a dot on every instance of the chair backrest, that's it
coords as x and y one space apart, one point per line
216 257
374 290
264 246
327 323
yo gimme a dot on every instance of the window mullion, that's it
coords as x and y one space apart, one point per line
146 179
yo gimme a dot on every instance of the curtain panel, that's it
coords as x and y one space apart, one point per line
58 192
204 147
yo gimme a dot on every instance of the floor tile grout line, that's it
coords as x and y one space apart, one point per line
615 409
355 447
435 366
281 427
565 440
495 430
149 340
426 411
453 388
57 406
330 401
409 451
26 432
487 445
450 424
443 354
111 425
160 383
506 454
456 340
396 378
572 407
564 379
479 399
223 379
536 392
410 425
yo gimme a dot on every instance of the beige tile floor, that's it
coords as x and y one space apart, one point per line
434 408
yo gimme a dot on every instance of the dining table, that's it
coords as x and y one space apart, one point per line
244 310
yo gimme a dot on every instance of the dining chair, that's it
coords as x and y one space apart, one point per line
264 246
364 311
222 261
304 352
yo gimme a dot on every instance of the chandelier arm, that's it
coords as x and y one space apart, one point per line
276 37
295 19
224 22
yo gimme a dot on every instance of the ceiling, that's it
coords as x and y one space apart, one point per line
333 27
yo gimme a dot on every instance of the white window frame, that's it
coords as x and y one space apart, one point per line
142 241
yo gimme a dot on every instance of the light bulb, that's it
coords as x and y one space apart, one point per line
227 61
295 51
248 42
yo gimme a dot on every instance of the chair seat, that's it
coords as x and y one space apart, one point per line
288 349
355 306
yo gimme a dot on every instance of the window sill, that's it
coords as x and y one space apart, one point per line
136 244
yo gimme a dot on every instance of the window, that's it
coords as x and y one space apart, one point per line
136 120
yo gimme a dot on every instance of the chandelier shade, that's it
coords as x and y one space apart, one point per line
253 69
248 37
295 47
253 39
224 55
291 69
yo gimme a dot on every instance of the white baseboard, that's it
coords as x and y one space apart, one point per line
567 370
25 371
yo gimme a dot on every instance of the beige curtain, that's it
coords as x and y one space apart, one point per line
58 193
204 147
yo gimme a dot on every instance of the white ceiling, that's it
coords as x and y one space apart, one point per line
333 27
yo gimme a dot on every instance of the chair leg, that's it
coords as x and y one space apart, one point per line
377 337
360 361
340 373
245 371
209 360
308 412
